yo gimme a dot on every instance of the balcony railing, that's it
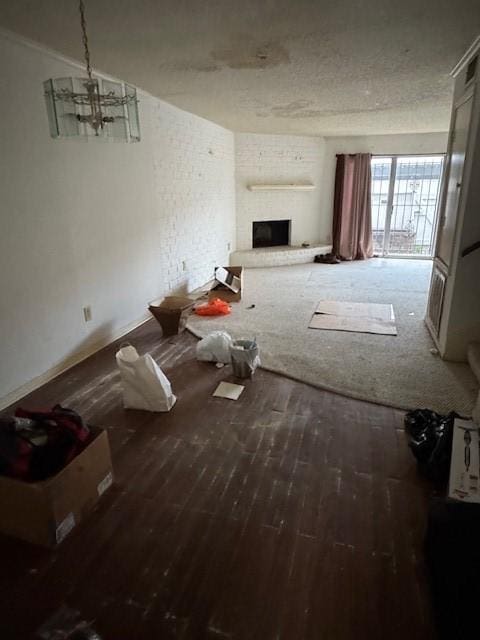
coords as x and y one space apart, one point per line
405 193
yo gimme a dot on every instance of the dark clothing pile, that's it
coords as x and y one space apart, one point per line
327 258
35 445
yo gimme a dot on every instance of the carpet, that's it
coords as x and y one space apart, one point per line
398 371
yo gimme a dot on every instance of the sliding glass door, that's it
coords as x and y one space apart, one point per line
405 193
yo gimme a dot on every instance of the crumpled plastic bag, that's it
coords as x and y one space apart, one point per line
215 347
144 384
215 307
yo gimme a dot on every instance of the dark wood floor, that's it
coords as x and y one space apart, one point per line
290 514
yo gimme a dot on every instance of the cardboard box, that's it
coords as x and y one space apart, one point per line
464 482
45 512
224 293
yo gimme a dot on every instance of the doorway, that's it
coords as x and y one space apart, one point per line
405 194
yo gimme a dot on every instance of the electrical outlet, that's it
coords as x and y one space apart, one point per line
228 246
184 265
87 313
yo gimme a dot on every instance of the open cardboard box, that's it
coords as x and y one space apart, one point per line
45 512
221 291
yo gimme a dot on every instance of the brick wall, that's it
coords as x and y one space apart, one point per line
195 196
276 159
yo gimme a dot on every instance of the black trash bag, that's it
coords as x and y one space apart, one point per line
430 436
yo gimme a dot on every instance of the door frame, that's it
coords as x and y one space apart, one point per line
467 95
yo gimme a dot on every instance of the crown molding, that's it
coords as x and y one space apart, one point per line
467 56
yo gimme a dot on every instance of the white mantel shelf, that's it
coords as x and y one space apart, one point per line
280 187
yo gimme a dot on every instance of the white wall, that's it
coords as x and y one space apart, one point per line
101 224
276 159
409 144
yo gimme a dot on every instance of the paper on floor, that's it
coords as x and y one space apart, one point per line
360 317
228 390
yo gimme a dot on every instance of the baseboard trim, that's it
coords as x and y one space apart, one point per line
81 354
68 363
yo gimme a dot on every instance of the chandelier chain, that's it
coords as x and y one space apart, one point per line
85 37
108 107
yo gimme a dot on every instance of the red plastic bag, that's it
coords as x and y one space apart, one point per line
215 307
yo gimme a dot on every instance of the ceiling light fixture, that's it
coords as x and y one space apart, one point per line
91 107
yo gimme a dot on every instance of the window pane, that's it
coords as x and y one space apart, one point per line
381 168
415 197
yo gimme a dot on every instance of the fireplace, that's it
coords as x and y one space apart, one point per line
271 233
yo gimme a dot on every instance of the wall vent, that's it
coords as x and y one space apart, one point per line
435 301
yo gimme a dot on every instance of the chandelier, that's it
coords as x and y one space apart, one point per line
86 107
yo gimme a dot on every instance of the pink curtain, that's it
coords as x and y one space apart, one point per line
352 209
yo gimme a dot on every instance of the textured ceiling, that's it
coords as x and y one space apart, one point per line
273 66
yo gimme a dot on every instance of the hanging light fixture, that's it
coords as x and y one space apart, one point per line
91 107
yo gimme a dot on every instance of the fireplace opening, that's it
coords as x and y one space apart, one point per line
271 233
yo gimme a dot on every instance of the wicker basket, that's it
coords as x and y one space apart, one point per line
172 314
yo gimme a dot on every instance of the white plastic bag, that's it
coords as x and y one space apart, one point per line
215 347
145 386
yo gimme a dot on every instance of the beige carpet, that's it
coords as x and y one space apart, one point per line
394 370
